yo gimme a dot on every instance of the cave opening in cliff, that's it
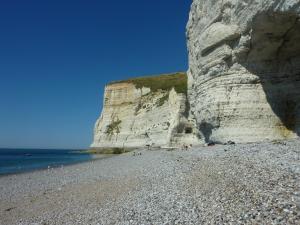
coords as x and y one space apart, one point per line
274 57
188 130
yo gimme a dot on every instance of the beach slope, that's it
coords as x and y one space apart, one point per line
238 184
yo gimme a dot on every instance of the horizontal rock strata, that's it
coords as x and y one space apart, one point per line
244 69
145 111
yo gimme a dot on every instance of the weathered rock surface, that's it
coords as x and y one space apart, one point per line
134 115
244 69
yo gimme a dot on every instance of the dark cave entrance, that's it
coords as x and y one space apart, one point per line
188 130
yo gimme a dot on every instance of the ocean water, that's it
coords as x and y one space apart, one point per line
22 160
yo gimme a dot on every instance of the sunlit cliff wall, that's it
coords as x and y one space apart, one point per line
244 69
145 111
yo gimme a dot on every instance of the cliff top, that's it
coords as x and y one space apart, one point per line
160 82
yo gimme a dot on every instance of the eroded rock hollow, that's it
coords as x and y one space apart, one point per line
244 69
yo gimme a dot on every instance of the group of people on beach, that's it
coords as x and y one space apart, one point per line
185 147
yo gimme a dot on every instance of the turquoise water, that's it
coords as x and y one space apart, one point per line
22 160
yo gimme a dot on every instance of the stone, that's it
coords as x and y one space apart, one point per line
231 143
244 69
134 115
217 34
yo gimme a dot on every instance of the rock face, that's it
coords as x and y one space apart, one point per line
244 69
145 111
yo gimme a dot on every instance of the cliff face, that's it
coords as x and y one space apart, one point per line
244 69
243 82
145 111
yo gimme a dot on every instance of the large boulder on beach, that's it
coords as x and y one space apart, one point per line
244 69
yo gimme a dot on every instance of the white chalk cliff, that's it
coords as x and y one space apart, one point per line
244 69
243 82
134 115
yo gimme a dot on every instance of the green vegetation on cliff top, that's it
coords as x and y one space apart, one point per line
162 82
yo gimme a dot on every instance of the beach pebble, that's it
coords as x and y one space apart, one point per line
248 184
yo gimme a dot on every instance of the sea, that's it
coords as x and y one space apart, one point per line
24 160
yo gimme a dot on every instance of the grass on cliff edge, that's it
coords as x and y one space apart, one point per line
162 82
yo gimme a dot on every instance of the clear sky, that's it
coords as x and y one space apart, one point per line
57 55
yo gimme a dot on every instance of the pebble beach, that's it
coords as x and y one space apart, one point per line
257 183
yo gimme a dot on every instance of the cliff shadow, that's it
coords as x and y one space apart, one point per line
206 130
274 57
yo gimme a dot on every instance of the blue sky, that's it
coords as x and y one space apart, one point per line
56 57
